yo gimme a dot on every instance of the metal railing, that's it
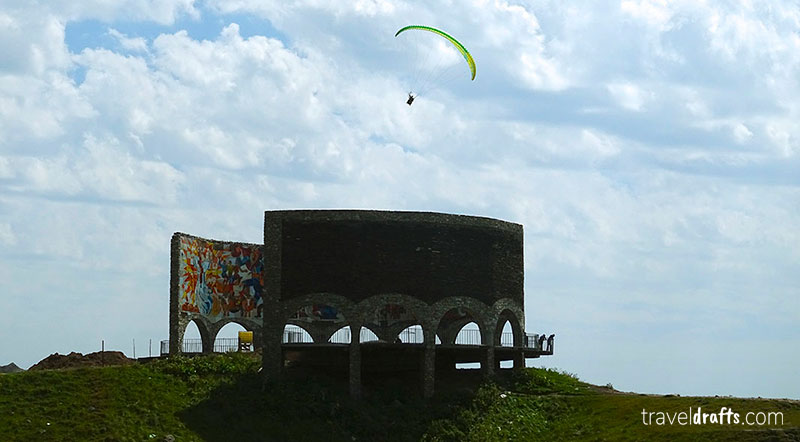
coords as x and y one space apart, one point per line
224 345
342 336
296 336
535 342
195 345
468 337
411 335
192 346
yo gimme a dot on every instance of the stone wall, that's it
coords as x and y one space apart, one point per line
325 269
428 256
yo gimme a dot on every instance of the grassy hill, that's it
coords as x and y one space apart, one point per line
220 398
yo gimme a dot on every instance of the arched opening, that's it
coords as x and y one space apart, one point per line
192 340
506 340
508 332
367 335
470 334
227 338
459 324
386 319
411 335
507 335
316 323
459 327
294 334
344 336
318 320
341 336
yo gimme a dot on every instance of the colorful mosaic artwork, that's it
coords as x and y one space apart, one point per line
318 312
390 314
220 280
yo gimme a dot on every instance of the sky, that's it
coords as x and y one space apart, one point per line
650 149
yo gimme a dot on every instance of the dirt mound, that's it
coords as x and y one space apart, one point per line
74 359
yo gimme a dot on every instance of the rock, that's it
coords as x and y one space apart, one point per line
10 368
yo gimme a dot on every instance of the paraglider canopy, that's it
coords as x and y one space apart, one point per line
456 43
427 80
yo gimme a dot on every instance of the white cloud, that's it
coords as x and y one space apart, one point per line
676 186
630 96
163 12
137 44
7 237
741 133
656 14
785 136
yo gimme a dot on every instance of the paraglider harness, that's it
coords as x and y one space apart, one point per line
410 99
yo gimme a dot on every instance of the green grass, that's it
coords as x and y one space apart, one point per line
222 397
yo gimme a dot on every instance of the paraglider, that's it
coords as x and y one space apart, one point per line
434 76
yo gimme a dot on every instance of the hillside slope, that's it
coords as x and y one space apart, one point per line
221 398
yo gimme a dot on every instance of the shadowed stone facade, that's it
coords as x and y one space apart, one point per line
384 271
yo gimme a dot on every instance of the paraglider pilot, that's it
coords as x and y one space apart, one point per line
410 99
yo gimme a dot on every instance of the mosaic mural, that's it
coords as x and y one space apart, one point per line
318 312
220 280
390 314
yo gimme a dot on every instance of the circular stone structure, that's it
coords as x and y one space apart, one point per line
381 271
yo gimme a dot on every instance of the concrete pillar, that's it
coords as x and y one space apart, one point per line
206 335
429 359
258 337
272 336
519 360
177 328
429 371
355 361
488 365
318 334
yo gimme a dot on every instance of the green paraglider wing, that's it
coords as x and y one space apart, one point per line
452 40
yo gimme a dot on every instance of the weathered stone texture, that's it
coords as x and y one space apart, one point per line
440 271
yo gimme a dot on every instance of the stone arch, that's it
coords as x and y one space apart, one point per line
413 311
479 313
248 324
500 321
353 334
202 325
506 309
513 306
319 331
222 345
289 306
